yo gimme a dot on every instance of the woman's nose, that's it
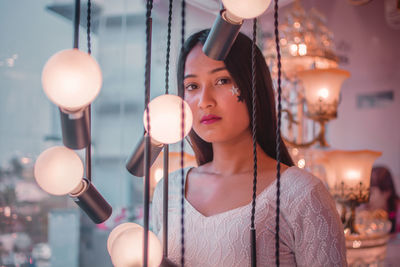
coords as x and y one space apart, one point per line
207 98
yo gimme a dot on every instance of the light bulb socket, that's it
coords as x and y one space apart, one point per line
75 128
221 37
135 163
91 202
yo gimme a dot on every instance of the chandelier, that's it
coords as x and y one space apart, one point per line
311 79
306 42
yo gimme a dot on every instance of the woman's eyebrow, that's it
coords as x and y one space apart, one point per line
211 71
190 76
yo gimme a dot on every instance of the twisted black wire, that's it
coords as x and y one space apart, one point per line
254 137
254 117
148 58
148 137
88 158
183 7
166 148
89 18
168 47
77 17
278 136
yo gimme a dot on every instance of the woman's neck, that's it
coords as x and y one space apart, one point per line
236 156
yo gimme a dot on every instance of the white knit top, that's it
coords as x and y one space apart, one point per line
311 233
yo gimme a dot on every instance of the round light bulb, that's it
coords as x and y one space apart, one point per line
127 249
246 9
58 170
117 231
353 174
323 93
71 79
165 119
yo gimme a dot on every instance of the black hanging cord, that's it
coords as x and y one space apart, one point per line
165 200
89 18
166 147
146 201
183 7
76 23
88 156
168 47
254 136
278 136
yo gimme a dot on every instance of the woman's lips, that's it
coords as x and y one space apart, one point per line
209 119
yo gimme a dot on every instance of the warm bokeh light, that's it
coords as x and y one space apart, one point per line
58 170
127 249
349 167
352 175
7 211
166 118
330 80
246 9
293 49
283 41
117 231
301 163
323 93
71 79
302 49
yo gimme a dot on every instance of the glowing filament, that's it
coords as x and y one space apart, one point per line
323 93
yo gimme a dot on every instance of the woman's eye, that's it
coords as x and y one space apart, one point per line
190 87
223 81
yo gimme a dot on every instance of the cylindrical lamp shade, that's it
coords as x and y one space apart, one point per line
71 79
75 129
127 249
246 9
92 202
322 89
58 170
135 162
221 37
166 119
348 173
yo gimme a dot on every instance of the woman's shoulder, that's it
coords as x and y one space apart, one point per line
300 186
299 180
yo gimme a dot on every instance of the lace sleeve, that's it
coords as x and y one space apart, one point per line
318 231
156 208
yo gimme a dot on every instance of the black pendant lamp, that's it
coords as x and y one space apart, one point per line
59 170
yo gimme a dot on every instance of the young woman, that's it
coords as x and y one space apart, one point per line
218 192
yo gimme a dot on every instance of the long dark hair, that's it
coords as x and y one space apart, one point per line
238 63
382 178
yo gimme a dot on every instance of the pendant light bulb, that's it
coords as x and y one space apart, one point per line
127 248
58 170
246 9
165 119
117 231
71 79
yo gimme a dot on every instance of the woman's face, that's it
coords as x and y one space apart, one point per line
212 95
